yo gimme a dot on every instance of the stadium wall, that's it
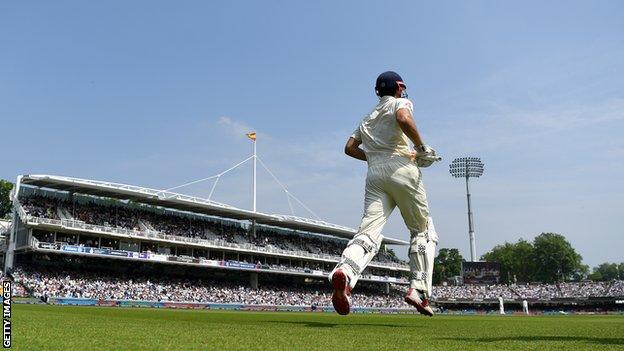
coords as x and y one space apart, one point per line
219 306
552 308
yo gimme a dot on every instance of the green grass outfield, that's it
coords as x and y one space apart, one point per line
42 327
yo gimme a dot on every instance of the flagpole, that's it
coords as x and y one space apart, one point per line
253 202
254 175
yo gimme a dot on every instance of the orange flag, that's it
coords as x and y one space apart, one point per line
252 136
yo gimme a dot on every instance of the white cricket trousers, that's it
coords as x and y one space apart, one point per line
392 181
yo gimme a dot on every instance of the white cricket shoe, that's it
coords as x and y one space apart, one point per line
341 299
417 299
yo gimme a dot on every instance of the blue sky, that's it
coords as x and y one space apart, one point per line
160 93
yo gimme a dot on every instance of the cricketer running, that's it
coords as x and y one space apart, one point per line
382 139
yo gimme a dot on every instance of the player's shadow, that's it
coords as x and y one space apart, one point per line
602 341
312 324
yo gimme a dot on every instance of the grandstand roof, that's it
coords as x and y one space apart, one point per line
188 203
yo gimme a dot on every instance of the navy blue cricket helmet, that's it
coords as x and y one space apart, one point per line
387 83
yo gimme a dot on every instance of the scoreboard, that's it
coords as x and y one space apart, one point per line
481 272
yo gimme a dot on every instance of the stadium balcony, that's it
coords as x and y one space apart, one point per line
82 227
185 203
306 269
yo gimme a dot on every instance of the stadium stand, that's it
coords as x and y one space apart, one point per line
532 291
616 289
247 251
537 291
76 283
99 241
46 282
473 292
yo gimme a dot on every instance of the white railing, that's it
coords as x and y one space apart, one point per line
4 230
79 249
21 213
218 243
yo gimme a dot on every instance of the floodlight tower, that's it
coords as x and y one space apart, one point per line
468 167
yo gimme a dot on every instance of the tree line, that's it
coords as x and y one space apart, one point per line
549 258
5 203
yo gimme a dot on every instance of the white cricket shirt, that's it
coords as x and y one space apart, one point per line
379 131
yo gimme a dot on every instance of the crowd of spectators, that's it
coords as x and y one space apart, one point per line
532 291
18 289
316 245
537 291
140 218
566 290
110 216
46 283
616 289
584 289
40 207
473 292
